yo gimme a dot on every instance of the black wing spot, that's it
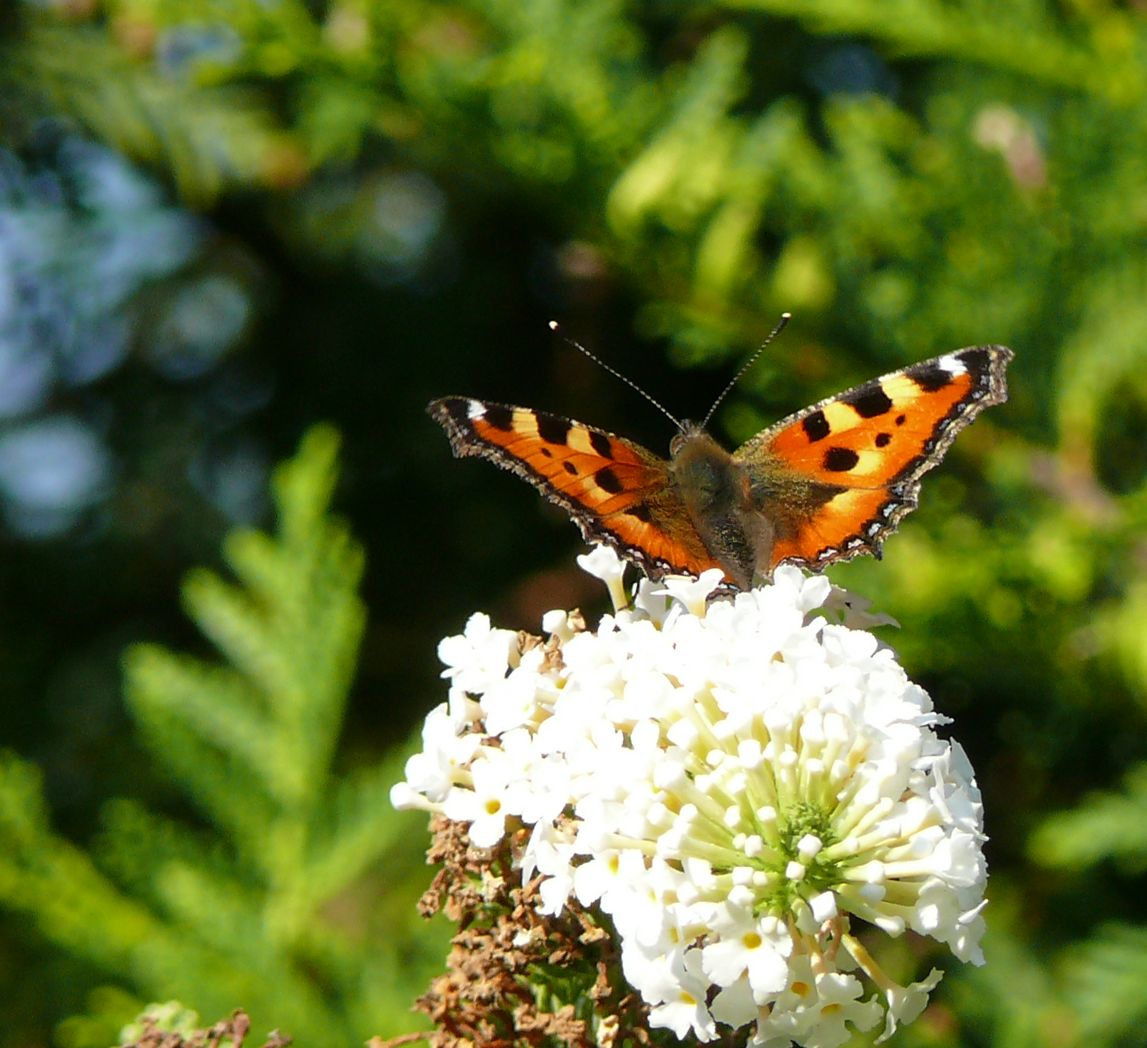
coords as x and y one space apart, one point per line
930 377
869 401
546 453
553 430
840 460
883 440
570 468
901 419
641 512
608 481
499 417
816 426
601 444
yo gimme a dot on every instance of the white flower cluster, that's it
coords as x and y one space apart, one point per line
733 784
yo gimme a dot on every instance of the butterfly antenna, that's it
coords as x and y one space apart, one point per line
785 318
617 374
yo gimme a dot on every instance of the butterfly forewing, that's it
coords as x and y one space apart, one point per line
861 453
615 490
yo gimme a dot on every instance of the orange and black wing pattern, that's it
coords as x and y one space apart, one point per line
837 477
616 491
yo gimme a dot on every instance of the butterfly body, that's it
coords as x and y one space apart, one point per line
716 493
822 485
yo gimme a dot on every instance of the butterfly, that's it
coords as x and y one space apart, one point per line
823 485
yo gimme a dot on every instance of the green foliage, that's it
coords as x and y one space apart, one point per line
1025 1008
129 109
272 900
170 1017
1104 826
1109 969
1107 973
906 176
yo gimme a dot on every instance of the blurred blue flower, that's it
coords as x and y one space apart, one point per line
852 69
51 471
200 326
233 477
181 49
94 261
404 220
77 242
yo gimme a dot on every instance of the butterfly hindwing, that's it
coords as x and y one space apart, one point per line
616 491
838 476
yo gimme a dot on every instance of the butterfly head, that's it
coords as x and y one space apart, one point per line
701 469
688 433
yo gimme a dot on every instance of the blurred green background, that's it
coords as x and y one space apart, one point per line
224 222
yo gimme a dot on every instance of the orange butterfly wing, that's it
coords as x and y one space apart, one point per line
616 491
837 477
